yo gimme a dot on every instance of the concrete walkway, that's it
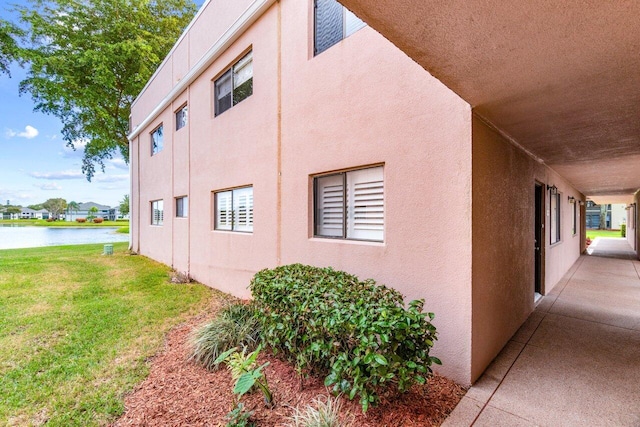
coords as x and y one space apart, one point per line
576 360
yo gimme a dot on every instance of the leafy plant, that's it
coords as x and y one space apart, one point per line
246 372
235 326
623 230
324 413
355 332
239 417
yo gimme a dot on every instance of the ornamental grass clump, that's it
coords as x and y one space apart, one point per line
235 326
356 333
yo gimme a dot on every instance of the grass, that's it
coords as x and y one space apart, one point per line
592 234
77 329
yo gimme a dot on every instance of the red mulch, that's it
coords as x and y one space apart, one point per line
180 393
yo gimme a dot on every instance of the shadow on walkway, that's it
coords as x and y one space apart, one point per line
576 360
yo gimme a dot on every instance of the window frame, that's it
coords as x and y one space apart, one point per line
234 227
155 146
555 218
159 221
348 224
182 206
181 117
230 73
346 16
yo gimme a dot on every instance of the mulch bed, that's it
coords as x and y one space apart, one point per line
180 393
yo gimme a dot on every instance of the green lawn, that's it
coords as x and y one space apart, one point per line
77 329
592 234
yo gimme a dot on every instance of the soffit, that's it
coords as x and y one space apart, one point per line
562 78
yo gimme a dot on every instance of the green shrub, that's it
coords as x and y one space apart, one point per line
239 417
324 413
623 230
356 332
235 326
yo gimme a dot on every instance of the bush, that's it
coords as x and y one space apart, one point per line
81 220
356 332
623 230
50 219
235 326
97 220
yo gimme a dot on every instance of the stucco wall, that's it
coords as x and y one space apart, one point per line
504 179
364 102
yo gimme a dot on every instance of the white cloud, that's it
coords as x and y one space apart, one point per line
68 174
77 151
48 186
118 163
29 132
112 178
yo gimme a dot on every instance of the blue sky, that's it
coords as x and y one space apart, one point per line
35 163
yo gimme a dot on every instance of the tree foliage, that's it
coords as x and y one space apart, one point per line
55 206
8 45
88 60
124 205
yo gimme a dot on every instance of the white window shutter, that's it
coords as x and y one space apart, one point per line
365 198
243 209
223 210
330 205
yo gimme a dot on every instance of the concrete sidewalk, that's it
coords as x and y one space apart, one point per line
576 360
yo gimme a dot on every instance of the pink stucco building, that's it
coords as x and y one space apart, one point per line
290 131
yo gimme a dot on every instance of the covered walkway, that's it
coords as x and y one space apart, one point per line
576 360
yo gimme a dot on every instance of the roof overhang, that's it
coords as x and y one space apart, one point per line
561 78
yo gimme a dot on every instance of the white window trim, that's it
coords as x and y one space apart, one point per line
349 219
233 199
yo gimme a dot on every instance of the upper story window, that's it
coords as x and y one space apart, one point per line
235 85
350 205
182 207
234 209
333 22
181 118
157 140
157 212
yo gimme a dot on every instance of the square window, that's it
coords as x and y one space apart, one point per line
157 140
235 85
333 22
350 205
182 207
157 212
234 210
181 118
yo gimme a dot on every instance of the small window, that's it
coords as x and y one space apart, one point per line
182 207
157 212
574 228
350 205
235 85
333 22
181 118
234 209
156 140
555 216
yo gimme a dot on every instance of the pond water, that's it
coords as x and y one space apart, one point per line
17 236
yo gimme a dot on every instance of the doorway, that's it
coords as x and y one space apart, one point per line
539 240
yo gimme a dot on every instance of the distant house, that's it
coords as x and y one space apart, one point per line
6 215
28 213
83 211
605 217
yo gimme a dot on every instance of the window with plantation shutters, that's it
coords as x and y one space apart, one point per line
234 210
350 205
